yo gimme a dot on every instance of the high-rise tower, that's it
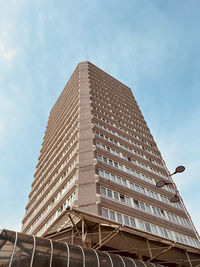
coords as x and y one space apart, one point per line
99 157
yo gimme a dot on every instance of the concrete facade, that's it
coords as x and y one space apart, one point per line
98 156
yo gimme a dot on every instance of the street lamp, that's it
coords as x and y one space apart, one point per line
162 183
177 198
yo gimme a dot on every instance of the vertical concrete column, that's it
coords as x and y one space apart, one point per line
86 174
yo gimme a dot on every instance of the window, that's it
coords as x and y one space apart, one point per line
101 172
120 167
115 164
118 180
109 193
142 190
102 191
107 175
117 153
148 227
132 221
128 201
113 177
132 186
137 188
122 199
158 212
165 233
112 215
141 225
124 156
99 157
116 196
160 231
136 203
108 149
105 212
97 144
147 208
154 230
162 213
119 218
142 205
104 159
126 220
112 151
154 210
124 182
110 162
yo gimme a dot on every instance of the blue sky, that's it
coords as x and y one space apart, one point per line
153 46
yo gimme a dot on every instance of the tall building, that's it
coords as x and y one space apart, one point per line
98 157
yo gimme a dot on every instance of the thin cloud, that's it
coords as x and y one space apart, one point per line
6 53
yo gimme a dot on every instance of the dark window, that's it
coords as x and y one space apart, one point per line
110 162
105 159
162 212
126 220
109 193
132 220
136 203
102 191
148 227
119 217
112 215
159 212
116 164
122 198
105 213
99 157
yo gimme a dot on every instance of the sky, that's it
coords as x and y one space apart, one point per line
152 46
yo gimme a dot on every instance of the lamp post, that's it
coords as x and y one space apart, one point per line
162 183
177 198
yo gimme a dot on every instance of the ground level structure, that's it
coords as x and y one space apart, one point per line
21 250
78 239
90 231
